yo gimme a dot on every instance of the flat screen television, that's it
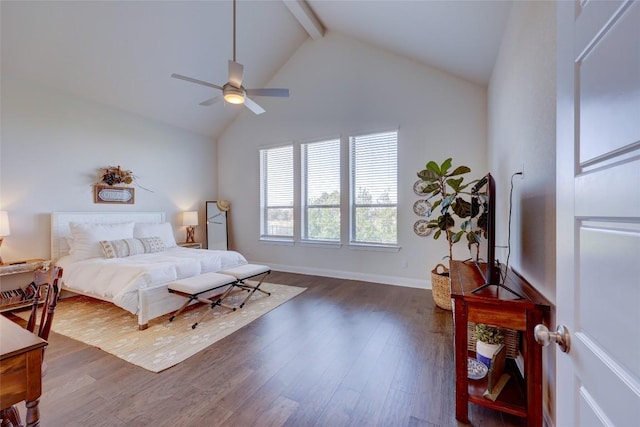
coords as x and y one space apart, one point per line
484 192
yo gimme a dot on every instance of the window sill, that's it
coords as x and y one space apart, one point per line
373 247
320 243
277 241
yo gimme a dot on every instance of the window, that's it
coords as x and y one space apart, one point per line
320 188
276 192
302 187
374 188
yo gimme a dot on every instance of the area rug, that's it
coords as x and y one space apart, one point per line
163 344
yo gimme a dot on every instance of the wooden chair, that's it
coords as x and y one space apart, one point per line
47 291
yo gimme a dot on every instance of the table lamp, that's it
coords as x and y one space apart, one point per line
190 219
4 228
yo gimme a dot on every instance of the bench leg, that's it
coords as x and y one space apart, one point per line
173 316
214 304
253 289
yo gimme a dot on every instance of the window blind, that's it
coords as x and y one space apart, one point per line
276 195
320 190
374 188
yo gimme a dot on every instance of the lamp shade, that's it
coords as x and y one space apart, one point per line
4 224
190 218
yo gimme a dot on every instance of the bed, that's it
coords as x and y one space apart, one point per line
132 276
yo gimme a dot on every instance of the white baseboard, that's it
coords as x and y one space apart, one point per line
350 275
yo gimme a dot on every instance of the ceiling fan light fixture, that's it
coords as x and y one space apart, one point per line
233 95
233 92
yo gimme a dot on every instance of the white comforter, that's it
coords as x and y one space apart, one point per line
118 279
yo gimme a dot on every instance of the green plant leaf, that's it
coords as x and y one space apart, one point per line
475 207
483 222
473 239
446 165
431 188
436 204
433 166
463 187
446 202
455 183
460 170
488 334
437 235
455 237
428 175
462 208
445 222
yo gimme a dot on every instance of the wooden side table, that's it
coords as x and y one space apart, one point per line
497 306
196 245
18 267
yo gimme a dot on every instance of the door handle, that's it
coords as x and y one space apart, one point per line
545 337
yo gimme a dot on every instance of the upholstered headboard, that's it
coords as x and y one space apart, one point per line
60 230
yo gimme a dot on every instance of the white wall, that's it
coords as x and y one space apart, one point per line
522 131
339 85
53 146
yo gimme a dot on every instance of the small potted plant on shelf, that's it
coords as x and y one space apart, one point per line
445 192
488 341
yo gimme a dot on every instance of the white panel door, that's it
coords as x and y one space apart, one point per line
598 183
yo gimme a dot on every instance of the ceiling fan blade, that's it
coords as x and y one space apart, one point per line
235 73
251 105
196 81
284 93
211 101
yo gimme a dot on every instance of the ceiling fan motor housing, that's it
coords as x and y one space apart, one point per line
232 94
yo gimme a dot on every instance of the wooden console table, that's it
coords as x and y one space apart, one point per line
498 306
20 368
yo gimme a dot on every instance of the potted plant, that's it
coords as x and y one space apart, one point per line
488 341
444 188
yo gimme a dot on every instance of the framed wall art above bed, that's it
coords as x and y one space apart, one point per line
113 195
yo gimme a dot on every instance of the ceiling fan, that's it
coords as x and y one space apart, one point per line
233 92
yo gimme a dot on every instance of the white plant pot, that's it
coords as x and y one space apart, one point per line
484 352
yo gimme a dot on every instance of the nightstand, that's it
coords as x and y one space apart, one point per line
195 245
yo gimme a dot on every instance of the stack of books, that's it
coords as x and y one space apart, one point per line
14 296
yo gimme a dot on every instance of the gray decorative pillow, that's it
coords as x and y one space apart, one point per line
128 247
152 244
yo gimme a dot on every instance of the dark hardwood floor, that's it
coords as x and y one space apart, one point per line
343 353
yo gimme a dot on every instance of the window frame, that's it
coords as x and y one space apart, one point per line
265 208
304 189
347 205
353 205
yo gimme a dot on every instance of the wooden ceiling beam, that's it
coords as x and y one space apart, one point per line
306 17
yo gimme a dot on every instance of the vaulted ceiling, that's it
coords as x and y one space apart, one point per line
122 53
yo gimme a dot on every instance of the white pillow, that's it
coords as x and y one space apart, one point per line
162 230
87 237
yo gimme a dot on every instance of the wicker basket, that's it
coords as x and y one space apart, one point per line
511 340
441 287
